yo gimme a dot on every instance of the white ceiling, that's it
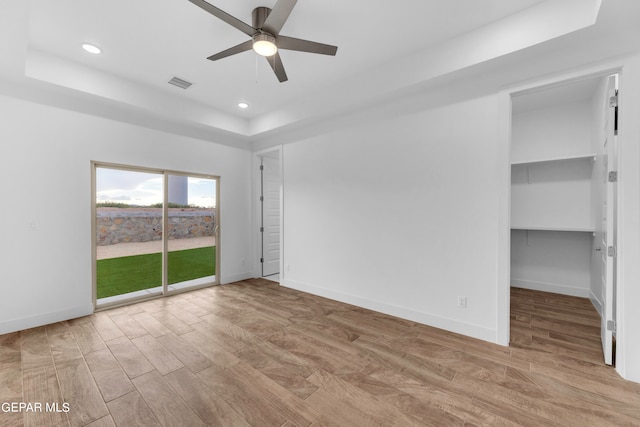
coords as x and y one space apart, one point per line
384 48
150 41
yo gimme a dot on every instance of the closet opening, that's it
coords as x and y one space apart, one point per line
563 215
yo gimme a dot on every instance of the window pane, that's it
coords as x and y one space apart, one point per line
192 225
128 234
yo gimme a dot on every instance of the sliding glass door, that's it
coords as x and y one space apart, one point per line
128 233
154 232
191 254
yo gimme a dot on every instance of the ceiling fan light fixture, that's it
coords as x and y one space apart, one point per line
264 44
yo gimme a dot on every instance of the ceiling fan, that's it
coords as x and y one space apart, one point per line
265 34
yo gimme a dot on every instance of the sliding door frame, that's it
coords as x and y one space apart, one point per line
165 173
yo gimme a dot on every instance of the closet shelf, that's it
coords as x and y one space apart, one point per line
536 228
555 159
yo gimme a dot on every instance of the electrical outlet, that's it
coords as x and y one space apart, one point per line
462 302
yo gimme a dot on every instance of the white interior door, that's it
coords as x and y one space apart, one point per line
270 216
608 243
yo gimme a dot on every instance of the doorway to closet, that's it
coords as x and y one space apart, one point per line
155 233
563 198
270 212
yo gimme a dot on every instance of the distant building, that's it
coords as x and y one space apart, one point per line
178 189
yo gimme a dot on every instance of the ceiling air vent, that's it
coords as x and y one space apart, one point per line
183 84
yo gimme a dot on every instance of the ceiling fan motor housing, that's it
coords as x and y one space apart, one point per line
259 15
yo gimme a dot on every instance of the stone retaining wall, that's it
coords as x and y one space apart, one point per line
123 225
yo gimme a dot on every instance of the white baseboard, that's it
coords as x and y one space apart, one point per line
596 303
463 328
41 319
556 288
236 277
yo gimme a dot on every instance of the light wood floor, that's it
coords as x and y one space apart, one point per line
253 353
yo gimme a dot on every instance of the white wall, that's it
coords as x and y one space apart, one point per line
552 195
400 216
553 131
45 178
551 261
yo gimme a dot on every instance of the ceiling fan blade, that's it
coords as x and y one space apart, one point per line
290 43
242 47
278 16
218 13
278 68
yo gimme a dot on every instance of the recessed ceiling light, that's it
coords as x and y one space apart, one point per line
243 105
91 48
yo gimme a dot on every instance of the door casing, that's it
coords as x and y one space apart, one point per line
505 117
276 153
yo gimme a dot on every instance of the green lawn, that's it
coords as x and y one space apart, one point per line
118 276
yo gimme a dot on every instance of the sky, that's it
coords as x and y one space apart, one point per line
141 188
